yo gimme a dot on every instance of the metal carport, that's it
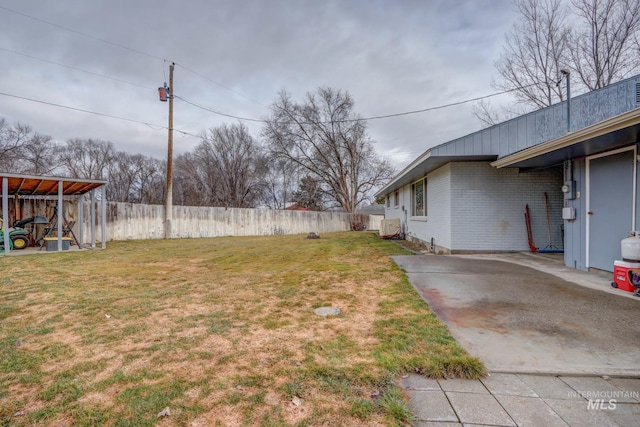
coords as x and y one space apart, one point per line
17 185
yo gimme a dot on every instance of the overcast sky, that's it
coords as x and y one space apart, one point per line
234 57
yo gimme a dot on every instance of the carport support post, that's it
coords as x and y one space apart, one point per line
103 217
81 218
60 213
5 212
93 218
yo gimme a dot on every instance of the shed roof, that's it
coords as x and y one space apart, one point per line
33 185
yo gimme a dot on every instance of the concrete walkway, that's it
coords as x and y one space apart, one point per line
524 400
517 318
552 371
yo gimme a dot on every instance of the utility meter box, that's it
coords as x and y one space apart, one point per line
569 190
569 213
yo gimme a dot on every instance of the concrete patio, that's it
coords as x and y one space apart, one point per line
561 345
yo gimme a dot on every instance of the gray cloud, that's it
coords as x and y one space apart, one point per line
392 56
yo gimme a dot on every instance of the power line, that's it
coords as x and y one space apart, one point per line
76 69
452 104
52 104
386 116
225 87
251 119
246 119
71 30
220 84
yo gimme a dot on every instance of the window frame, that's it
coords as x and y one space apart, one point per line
396 199
414 205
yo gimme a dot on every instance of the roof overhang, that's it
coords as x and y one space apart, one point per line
425 164
31 185
616 132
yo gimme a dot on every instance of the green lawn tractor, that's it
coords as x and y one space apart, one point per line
19 236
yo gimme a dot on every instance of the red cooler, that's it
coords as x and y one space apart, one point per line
622 275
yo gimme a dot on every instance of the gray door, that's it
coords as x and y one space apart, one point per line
610 207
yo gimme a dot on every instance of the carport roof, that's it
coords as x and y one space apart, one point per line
32 185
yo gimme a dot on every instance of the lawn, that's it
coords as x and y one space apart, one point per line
221 331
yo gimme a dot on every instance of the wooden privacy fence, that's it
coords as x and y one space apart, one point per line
128 221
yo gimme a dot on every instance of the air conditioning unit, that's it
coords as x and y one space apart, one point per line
390 228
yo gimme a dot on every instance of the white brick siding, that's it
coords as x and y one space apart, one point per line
475 207
437 223
488 207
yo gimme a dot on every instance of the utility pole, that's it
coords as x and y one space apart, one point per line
168 206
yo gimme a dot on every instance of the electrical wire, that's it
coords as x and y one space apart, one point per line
440 107
220 84
386 116
76 69
405 113
245 119
71 30
159 127
150 125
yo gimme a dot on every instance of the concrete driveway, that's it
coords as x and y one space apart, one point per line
518 319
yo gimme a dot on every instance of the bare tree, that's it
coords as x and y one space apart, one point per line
233 166
487 114
535 51
281 180
325 138
194 180
237 158
13 139
86 158
152 182
38 155
597 39
604 46
132 178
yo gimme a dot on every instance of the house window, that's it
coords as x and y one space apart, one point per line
388 200
419 198
396 198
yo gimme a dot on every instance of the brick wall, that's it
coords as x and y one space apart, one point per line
437 223
488 205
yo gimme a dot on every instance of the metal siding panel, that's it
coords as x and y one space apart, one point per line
503 138
497 142
459 147
521 138
531 130
477 143
512 135
486 142
468 145
579 112
558 121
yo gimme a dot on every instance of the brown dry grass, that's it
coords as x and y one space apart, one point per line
220 330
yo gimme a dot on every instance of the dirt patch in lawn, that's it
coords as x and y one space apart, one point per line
221 331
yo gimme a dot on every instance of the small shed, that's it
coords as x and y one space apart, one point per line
16 186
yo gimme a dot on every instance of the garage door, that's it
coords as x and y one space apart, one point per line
610 210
